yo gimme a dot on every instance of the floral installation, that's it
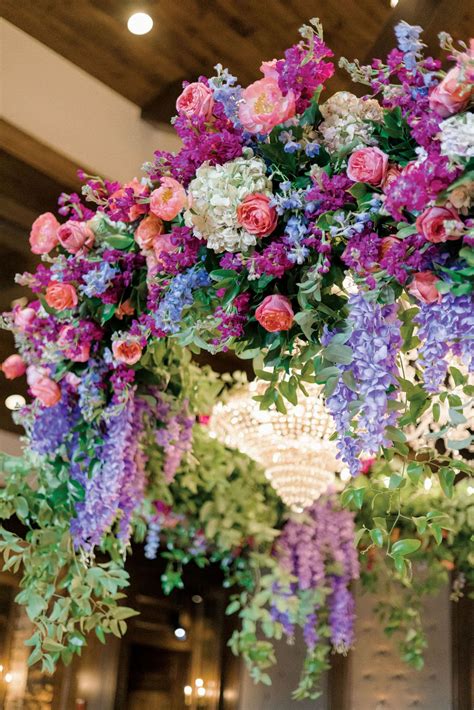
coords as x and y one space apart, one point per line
331 241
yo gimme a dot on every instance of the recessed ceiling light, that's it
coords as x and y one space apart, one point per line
196 598
180 633
139 23
15 401
393 3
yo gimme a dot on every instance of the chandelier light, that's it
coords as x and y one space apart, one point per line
294 448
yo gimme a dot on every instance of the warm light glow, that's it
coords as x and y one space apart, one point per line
201 692
188 690
139 23
427 484
180 633
15 401
393 3
8 677
294 448
199 682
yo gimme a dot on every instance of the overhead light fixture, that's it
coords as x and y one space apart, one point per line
180 633
15 401
393 3
196 598
139 23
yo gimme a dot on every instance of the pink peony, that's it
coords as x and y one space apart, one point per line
168 200
263 106
431 224
423 287
127 351
76 353
14 366
147 230
46 390
44 233
74 236
275 313
256 216
451 95
139 191
163 245
24 317
367 165
61 296
269 69
197 99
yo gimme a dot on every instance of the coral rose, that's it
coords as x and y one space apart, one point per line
147 230
61 296
46 390
263 106
163 245
275 313
74 236
423 287
451 95
44 233
431 224
14 366
127 351
24 317
124 309
367 165
256 215
197 99
168 200
137 208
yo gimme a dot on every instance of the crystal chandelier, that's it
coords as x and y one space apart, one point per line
294 448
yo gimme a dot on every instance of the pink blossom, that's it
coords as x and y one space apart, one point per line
136 209
367 165
79 353
147 230
256 215
128 351
24 317
264 106
269 69
46 390
162 245
423 287
392 174
14 366
431 224
451 95
61 296
75 236
275 313
44 233
196 100
168 200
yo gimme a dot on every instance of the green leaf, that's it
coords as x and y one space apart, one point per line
446 479
338 353
377 537
119 241
414 471
404 547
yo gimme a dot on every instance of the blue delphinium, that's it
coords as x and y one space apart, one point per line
98 280
178 296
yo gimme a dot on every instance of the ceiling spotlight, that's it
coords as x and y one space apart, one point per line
8 677
199 682
139 23
15 401
180 633
393 3
201 692
196 598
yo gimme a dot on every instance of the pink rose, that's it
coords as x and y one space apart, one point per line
61 296
391 176
14 366
74 236
168 200
263 106
137 208
33 374
163 245
275 313
46 390
76 352
423 287
24 317
127 351
256 216
147 230
451 95
197 99
367 165
431 224
44 233
269 69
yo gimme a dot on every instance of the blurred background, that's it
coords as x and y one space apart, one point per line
79 89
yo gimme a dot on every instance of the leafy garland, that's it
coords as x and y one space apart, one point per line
329 242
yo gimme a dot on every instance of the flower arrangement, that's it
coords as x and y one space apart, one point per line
328 240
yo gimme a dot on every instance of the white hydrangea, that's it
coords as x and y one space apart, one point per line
457 136
346 121
215 194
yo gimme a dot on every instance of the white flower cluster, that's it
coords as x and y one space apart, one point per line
457 136
215 194
346 121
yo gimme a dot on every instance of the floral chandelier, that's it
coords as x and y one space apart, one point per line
295 448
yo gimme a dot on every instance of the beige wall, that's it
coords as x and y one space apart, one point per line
62 106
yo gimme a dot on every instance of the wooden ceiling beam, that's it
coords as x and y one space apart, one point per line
163 106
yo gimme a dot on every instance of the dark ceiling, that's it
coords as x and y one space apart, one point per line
190 36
